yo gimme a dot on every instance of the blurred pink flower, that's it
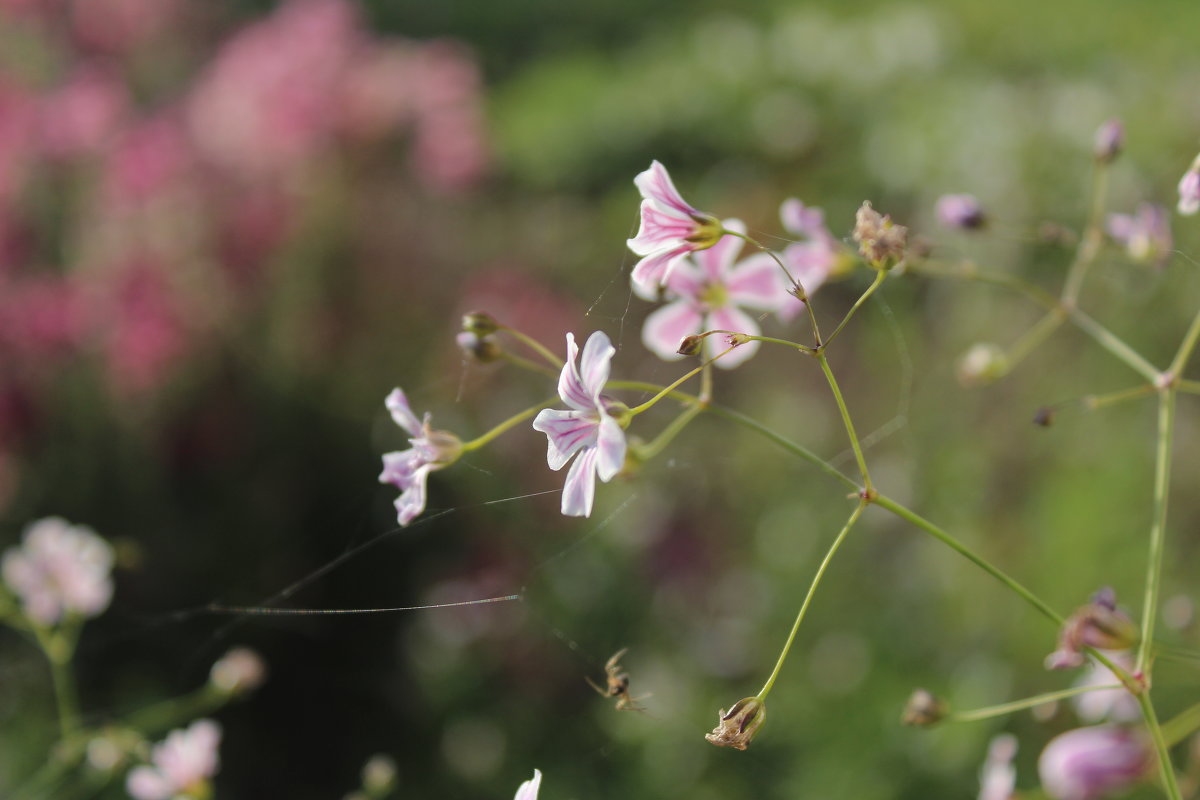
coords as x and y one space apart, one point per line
1090 763
961 211
239 670
1113 705
148 157
1189 189
707 292
83 114
378 90
589 428
267 101
814 260
670 228
1146 235
181 765
143 327
529 789
998 778
59 570
120 26
18 137
408 470
40 318
450 151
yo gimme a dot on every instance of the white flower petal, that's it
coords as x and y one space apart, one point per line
403 416
595 363
566 432
758 282
666 326
529 789
655 184
610 444
580 487
570 387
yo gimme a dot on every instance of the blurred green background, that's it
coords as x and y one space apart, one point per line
249 459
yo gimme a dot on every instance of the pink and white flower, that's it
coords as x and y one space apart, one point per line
408 470
998 778
60 570
817 258
591 428
1146 235
529 789
180 765
1189 190
670 228
708 291
1090 763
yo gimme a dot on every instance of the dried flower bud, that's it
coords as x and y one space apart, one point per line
982 364
1098 624
480 323
924 709
1044 416
1090 763
690 345
880 241
736 727
960 211
239 670
735 339
484 349
1110 139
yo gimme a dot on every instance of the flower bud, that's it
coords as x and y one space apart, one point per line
1090 763
479 323
982 364
736 727
484 349
1099 624
924 709
960 211
880 241
735 339
1044 417
1110 138
239 670
690 345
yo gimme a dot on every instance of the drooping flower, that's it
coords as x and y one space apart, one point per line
1189 190
592 427
1146 235
180 765
670 228
960 211
707 292
737 726
409 469
1099 624
60 570
529 789
998 778
1090 763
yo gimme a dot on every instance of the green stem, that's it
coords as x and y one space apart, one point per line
883 501
812 590
801 292
177 711
868 490
1188 387
880 277
1034 337
671 387
516 419
1114 344
59 647
653 448
1162 480
1094 402
1166 771
970 272
1185 347
1181 726
1093 238
1029 702
771 340
534 345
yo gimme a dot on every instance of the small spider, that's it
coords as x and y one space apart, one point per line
618 684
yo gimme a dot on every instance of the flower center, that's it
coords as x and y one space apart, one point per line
714 295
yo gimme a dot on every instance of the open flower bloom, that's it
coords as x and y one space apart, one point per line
670 228
60 570
1090 763
1146 235
589 428
180 765
409 469
707 292
529 789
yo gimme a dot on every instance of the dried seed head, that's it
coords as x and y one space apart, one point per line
880 241
924 709
737 726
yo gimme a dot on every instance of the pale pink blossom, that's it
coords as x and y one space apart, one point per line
998 778
59 570
239 670
1146 234
450 142
1112 705
670 228
707 292
1189 190
408 470
120 26
529 789
181 765
83 115
1090 763
588 429
816 258
962 211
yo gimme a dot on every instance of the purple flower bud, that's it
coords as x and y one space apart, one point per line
960 211
1189 190
1110 138
1089 763
1099 624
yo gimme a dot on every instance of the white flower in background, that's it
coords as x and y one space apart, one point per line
239 670
529 789
59 570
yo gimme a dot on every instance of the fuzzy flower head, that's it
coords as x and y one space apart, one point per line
707 292
529 789
670 228
408 470
880 241
1090 763
1099 624
60 570
592 427
181 765
1189 189
1146 235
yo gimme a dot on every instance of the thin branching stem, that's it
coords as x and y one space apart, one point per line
1018 705
1162 480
